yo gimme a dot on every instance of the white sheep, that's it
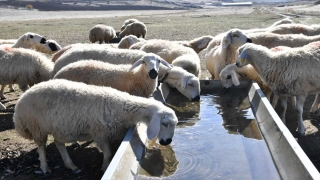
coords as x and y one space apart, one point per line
293 72
187 83
136 28
125 43
128 21
174 53
308 30
51 46
111 55
232 75
28 40
271 40
216 40
7 41
197 44
225 53
102 114
101 32
277 23
139 79
24 67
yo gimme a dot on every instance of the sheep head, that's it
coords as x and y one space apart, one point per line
242 59
33 38
152 63
235 38
228 76
162 125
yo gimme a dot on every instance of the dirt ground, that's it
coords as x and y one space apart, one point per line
18 157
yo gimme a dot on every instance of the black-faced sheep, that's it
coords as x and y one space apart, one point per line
101 114
127 56
139 79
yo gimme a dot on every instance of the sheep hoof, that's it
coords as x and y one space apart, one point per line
76 171
47 175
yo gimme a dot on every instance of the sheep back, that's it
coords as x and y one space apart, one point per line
101 33
24 66
136 28
105 74
111 55
73 111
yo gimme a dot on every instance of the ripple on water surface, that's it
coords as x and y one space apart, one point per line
213 140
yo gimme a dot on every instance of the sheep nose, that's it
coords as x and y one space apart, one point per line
53 47
197 98
249 40
43 40
165 142
153 74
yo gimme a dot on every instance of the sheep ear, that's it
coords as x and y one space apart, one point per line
184 82
25 38
226 40
153 128
164 62
234 78
203 44
136 64
131 41
243 57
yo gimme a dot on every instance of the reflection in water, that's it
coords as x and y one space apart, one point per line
158 161
223 143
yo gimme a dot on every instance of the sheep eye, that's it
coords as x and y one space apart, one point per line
190 84
234 35
31 36
228 76
165 124
159 61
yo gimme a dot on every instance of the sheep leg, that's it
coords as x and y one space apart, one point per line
105 147
65 157
283 108
42 156
2 92
275 100
315 104
24 87
11 88
299 108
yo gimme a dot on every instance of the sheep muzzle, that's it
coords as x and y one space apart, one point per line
197 98
165 142
153 74
43 40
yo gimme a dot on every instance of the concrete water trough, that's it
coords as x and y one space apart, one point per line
229 134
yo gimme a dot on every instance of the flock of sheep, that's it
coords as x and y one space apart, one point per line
97 91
